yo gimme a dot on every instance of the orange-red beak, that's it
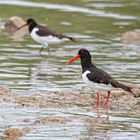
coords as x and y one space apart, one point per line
22 26
73 59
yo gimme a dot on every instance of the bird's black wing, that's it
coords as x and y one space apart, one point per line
45 31
99 76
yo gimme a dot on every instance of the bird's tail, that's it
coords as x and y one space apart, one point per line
126 88
61 36
71 38
122 86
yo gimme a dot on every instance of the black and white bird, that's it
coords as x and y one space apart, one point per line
96 78
43 35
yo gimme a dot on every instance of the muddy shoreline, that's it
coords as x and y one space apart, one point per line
121 102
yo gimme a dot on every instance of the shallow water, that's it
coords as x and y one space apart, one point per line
97 25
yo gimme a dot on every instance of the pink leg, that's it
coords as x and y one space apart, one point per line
105 104
97 100
96 106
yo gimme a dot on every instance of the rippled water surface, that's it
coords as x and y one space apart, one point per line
97 26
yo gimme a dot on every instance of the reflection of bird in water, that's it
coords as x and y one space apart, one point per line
44 35
96 128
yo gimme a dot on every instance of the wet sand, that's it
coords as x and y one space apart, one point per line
119 102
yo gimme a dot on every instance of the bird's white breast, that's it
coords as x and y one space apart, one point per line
84 76
38 38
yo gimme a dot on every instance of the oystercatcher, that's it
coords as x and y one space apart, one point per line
43 34
97 78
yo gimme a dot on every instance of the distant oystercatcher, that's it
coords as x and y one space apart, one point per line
43 34
96 78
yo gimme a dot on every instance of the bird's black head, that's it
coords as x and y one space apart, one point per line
85 57
31 23
84 54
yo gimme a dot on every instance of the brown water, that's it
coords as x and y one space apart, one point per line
97 25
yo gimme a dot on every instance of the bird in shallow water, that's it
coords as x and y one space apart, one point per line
43 35
96 78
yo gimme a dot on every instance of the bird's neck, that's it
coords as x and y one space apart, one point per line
86 63
31 27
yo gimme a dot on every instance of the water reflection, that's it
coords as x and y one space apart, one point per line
106 128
